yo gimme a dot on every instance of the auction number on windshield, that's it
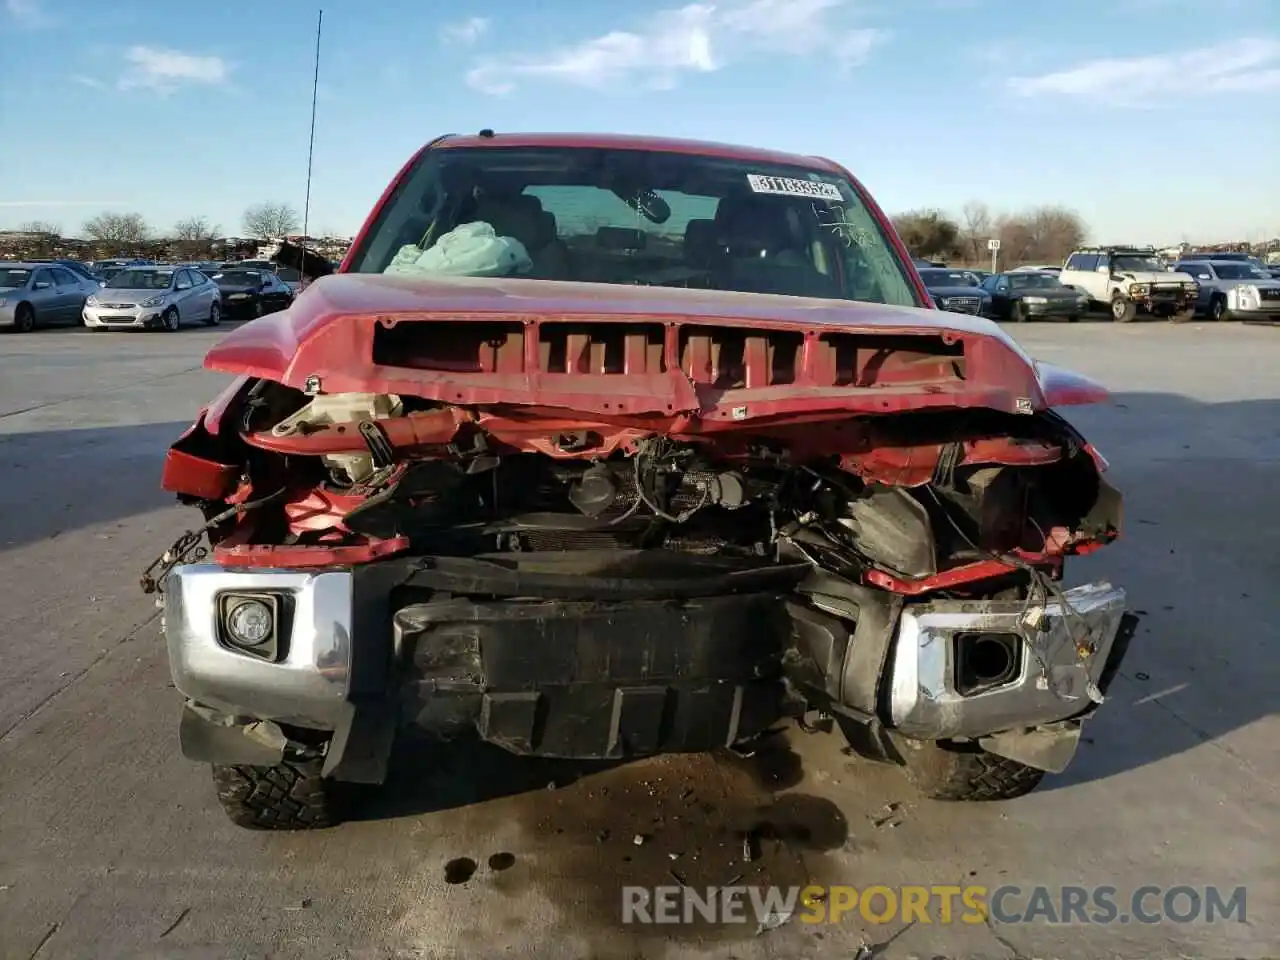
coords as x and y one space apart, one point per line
789 187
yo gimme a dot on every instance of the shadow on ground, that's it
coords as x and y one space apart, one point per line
1201 507
427 775
59 481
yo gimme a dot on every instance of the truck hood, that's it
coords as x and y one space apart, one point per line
1157 276
627 352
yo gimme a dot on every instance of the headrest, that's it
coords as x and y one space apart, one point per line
753 224
620 238
546 227
700 236
515 215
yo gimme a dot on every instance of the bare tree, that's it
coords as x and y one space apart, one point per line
1040 235
1016 242
194 228
43 227
264 220
118 228
975 230
194 236
1055 232
43 240
927 233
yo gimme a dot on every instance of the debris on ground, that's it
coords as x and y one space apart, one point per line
773 920
639 839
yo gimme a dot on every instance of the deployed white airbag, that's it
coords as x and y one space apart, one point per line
469 250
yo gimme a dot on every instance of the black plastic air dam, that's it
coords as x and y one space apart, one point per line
597 679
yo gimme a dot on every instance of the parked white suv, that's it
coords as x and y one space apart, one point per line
1234 290
1129 281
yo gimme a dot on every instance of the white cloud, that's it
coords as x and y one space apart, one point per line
84 81
466 31
27 13
696 38
1248 64
163 71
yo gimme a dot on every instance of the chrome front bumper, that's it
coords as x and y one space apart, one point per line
306 685
1054 683
317 676
133 318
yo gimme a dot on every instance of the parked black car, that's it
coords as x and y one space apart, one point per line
1023 295
251 293
955 290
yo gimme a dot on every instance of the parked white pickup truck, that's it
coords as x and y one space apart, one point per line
1129 281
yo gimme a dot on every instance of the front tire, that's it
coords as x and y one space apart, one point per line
1122 310
288 796
964 772
1218 311
215 314
24 318
171 320
1017 312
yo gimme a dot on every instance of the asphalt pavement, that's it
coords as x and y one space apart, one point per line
111 845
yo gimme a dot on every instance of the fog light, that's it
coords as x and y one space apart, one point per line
250 623
984 661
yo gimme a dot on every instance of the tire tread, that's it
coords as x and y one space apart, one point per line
289 796
944 773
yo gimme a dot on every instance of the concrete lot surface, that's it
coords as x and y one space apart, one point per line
111 844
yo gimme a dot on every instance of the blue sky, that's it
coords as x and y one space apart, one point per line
1158 120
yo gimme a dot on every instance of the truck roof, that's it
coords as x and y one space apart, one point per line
1115 248
612 141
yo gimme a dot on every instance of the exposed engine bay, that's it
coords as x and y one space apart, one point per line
911 503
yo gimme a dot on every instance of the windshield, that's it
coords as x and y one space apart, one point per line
1240 271
1136 264
239 278
10 277
141 280
1034 281
634 217
948 278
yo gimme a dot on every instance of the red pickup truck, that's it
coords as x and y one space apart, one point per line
605 447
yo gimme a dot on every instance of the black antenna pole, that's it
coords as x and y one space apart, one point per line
311 145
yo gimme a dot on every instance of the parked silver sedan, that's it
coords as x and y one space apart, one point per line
148 297
32 294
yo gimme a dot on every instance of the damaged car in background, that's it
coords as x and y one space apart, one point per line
605 447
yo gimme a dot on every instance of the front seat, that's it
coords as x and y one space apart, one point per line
521 216
765 253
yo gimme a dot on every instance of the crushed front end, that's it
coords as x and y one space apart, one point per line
575 584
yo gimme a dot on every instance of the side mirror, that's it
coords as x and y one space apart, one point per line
1104 268
102 283
41 285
